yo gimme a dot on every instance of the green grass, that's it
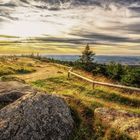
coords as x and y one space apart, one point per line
116 98
9 66
115 135
83 100
79 89
11 78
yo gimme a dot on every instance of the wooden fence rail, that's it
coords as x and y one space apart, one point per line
101 83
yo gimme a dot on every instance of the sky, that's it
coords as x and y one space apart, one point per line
111 27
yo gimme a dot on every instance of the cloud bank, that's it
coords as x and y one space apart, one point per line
112 23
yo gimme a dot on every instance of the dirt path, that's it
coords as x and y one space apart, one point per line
44 71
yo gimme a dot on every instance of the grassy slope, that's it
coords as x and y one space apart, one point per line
84 100
80 95
14 66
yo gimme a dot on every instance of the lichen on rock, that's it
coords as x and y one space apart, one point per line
120 121
36 116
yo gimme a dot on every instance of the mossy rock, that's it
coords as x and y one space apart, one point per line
118 124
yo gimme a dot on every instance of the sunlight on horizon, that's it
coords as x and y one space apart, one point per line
105 25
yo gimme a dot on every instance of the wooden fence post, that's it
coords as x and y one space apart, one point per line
68 74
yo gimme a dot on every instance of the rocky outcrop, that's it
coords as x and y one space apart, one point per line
35 116
121 121
12 90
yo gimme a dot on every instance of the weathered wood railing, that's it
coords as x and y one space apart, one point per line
70 72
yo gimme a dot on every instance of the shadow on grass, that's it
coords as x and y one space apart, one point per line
116 98
54 83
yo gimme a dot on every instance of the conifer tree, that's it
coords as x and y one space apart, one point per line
87 56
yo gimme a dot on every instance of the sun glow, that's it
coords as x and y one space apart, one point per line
30 29
72 23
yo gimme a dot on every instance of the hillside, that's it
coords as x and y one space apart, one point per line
79 95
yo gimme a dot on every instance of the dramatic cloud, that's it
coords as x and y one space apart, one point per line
112 23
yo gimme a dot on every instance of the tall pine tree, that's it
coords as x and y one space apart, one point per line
87 56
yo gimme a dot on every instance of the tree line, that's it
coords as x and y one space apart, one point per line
128 75
124 74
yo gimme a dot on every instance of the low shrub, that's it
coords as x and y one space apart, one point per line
114 70
6 71
131 77
25 70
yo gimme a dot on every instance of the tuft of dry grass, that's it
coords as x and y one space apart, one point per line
13 65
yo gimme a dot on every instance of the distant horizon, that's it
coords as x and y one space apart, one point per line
35 53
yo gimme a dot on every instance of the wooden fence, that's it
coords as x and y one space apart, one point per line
70 72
